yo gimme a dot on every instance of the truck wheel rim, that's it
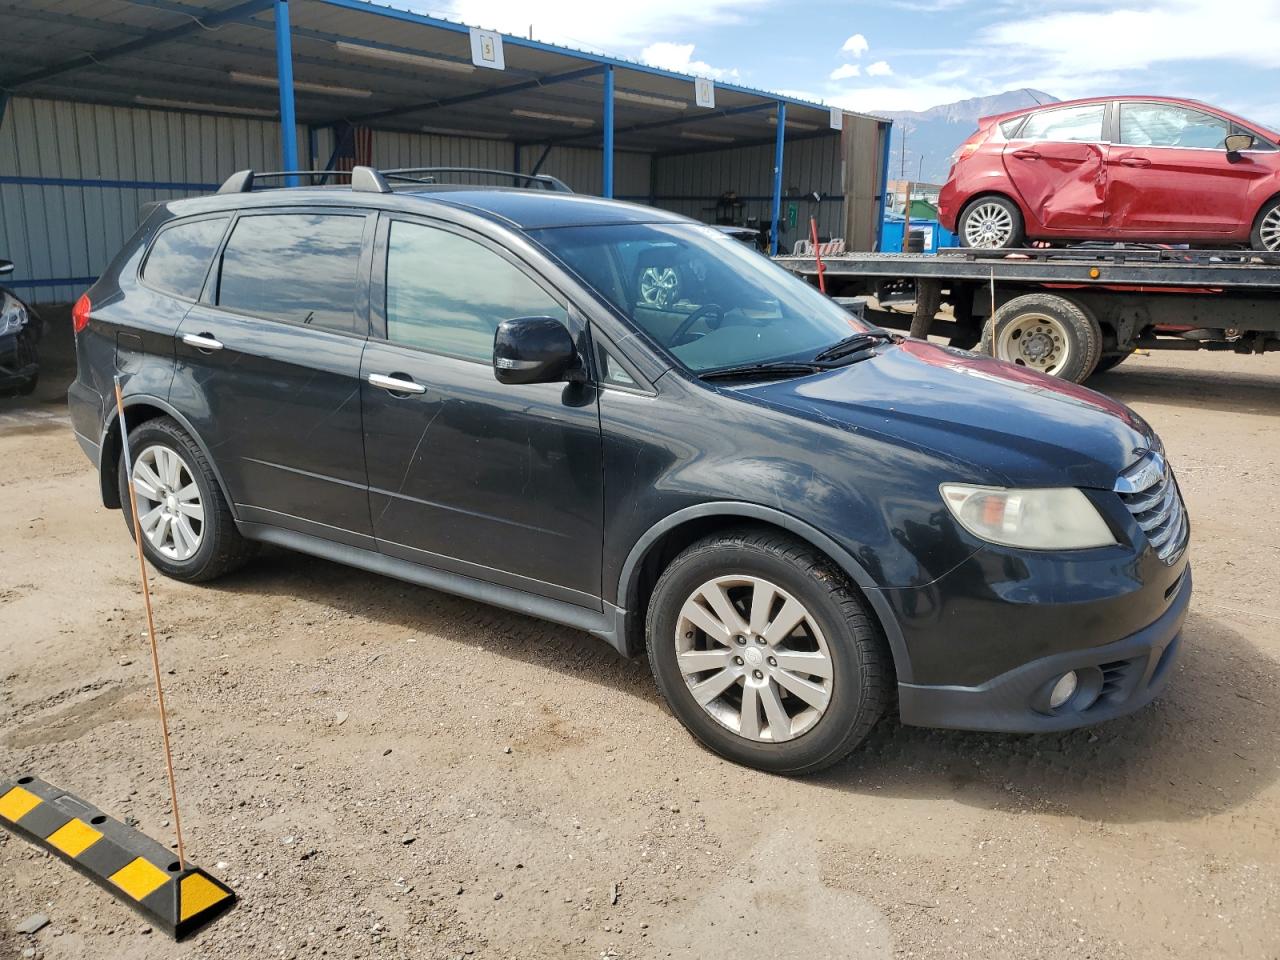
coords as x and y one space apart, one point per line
754 658
1269 231
1035 340
170 511
988 226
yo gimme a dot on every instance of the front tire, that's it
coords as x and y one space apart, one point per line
1266 229
766 653
1046 333
992 223
188 531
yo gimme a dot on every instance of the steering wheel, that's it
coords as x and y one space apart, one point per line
687 325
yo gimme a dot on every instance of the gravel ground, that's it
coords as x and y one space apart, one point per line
384 771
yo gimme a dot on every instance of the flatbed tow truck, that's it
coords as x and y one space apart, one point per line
1068 312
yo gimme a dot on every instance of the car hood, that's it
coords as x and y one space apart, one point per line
1009 425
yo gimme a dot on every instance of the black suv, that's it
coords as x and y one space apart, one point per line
630 423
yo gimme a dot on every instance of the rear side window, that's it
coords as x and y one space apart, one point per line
296 267
1074 124
1168 125
448 294
180 257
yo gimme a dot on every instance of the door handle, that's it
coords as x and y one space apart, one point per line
1026 154
1134 162
396 383
202 341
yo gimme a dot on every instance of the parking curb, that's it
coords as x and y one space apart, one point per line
127 864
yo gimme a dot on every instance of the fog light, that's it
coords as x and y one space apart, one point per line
1063 690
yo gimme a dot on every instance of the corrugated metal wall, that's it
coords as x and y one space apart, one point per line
583 169
73 176
692 183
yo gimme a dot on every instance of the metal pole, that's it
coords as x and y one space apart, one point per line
777 177
884 185
608 131
4 105
284 73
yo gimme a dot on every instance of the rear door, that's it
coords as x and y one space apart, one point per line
1170 177
1056 164
269 369
500 483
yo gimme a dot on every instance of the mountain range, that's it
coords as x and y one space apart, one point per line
932 135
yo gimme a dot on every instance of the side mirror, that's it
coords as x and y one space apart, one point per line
534 350
1237 143
6 266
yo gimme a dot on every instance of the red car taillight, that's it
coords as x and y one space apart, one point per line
970 146
80 313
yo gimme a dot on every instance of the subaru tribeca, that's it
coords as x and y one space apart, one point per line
1116 168
626 422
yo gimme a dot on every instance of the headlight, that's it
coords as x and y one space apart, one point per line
13 315
1057 518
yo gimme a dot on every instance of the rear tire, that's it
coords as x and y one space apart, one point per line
190 534
1266 228
790 701
1109 361
991 223
1046 333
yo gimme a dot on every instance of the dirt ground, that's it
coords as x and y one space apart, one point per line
384 771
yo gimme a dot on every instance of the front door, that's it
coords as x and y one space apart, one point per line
498 483
268 370
1170 177
1056 164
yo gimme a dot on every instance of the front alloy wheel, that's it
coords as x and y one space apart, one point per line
754 658
1266 235
169 508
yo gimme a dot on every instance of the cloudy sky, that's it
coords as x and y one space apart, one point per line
913 54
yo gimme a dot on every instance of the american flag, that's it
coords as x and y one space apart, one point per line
354 147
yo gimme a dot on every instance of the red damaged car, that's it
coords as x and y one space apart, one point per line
1153 169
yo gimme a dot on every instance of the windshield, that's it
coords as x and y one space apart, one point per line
711 301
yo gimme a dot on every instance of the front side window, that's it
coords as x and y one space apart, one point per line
447 294
1168 125
710 301
1072 124
297 267
180 257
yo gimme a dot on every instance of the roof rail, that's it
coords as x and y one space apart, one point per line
426 175
363 179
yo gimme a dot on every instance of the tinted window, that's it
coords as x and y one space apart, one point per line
179 258
1166 125
1072 123
448 294
299 267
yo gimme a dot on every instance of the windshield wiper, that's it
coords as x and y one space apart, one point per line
861 340
776 370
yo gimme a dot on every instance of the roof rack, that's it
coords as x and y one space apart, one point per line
363 179
369 180
427 175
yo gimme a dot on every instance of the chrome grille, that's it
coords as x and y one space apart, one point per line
1149 490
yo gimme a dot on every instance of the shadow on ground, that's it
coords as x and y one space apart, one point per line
1230 391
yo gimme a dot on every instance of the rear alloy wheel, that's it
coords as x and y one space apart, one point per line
1046 333
992 223
766 653
1266 230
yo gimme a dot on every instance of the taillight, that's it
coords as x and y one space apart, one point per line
970 146
80 313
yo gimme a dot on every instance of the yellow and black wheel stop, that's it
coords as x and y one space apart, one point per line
128 864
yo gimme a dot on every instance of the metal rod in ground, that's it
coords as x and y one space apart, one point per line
151 625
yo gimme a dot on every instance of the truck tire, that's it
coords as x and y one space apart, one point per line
1109 361
1047 333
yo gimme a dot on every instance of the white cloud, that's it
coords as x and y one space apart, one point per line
856 45
879 69
912 95
679 57
845 71
589 23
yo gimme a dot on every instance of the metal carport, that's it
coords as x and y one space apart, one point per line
222 73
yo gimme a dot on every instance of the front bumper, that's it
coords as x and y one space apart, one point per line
19 364
1125 675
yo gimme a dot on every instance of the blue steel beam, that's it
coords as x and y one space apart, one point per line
284 71
608 132
208 22
779 141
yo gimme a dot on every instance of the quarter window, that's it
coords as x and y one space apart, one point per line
448 294
1167 125
297 267
180 256
1075 124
